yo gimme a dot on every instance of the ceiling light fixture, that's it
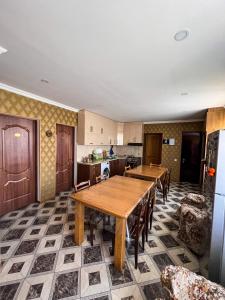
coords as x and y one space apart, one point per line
44 81
3 50
181 35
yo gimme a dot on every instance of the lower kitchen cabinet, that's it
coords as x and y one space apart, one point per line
88 172
113 164
121 166
91 171
117 166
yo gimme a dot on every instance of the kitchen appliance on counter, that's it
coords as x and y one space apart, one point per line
214 190
105 169
133 161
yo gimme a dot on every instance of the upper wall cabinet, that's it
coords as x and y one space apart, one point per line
120 128
132 132
94 129
215 119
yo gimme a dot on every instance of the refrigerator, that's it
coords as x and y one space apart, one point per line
214 188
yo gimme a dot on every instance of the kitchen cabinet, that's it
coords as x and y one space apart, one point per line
88 172
114 164
117 166
132 132
94 129
119 129
121 166
215 119
91 171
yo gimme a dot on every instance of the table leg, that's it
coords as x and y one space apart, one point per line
79 223
120 237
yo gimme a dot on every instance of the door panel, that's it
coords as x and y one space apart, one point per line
153 148
64 158
191 156
17 163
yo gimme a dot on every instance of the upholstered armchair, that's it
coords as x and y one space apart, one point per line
194 228
183 284
192 199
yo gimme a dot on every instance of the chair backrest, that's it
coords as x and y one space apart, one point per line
100 178
137 224
142 211
151 200
155 165
127 168
169 174
166 179
83 185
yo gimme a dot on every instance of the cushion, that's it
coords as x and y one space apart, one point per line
183 284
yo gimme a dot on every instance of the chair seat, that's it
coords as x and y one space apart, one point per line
196 200
184 284
194 228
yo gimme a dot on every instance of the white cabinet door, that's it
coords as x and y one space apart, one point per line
132 132
119 134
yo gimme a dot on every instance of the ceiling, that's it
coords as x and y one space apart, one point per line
117 58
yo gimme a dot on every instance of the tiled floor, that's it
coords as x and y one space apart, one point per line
40 260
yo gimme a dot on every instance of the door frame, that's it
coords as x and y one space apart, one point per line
37 153
201 150
74 151
144 148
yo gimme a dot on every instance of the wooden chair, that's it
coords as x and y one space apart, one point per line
165 185
126 169
149 214
100 178
136 227
82 185
92 217
155 165
169 175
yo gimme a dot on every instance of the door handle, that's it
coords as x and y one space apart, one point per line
183 160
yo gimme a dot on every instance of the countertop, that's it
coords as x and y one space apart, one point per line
101 161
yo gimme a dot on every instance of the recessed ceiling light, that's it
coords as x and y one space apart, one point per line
181 35
184 94
44 81
3 50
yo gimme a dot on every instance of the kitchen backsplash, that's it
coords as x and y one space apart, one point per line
129 150
84 150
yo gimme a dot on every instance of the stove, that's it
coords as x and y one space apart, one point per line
133 161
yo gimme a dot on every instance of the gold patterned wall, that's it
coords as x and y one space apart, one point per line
170 153
48 115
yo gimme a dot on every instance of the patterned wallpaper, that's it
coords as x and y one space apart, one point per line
48 115
171 153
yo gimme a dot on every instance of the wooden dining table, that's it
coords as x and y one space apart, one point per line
116 196
147 172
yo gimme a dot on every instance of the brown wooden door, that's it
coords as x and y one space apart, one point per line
152 148
191 156
64 158
17 163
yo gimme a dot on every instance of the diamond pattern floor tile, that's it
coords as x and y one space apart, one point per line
39 258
